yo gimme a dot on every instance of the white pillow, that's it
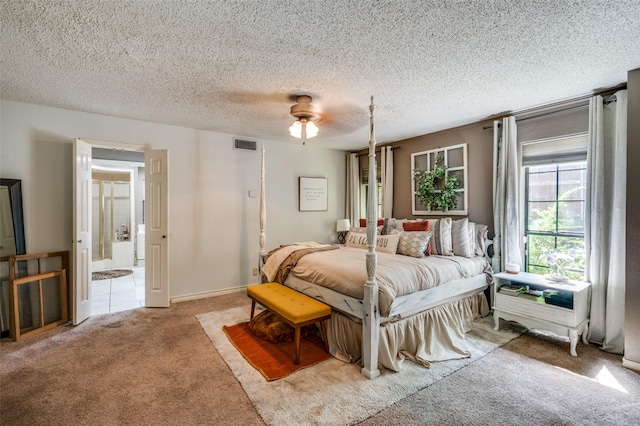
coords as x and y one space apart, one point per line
460 237
472 239
481 232
399 223
384 243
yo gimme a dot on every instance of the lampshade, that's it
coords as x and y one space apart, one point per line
343 225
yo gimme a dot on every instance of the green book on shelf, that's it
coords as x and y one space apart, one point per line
533 298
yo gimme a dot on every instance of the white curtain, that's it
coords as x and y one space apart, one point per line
386 172
507 238
605 214
352 205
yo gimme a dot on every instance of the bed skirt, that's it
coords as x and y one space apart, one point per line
437 334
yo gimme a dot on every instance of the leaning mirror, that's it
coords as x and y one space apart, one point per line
11 240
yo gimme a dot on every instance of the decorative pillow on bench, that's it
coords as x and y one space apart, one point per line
271 327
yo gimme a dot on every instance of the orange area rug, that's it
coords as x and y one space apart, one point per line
275 360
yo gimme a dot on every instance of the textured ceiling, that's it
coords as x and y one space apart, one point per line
236 66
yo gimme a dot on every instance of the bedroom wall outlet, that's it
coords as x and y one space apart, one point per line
255 272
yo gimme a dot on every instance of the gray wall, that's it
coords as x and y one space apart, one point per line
632 300
480 161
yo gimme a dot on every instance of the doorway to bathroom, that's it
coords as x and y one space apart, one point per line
117 227
155 211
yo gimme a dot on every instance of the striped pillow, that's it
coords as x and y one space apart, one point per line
441 236
460 238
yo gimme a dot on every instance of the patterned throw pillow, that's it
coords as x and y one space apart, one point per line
441 236
415 243
417 226
363 223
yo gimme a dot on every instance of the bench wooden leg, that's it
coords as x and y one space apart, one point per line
297 340
253 308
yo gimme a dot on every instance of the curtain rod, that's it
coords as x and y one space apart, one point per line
611 98
607 101
393 148
543 114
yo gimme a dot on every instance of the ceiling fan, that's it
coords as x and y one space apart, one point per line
307 117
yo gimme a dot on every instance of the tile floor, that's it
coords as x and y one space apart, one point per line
118 294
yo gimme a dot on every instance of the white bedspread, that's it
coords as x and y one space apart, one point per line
344 271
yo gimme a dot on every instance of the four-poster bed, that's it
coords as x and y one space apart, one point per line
404 307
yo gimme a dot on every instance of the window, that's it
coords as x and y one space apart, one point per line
555 194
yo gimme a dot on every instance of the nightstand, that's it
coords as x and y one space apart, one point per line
563 308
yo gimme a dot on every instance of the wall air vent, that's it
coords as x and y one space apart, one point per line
245 145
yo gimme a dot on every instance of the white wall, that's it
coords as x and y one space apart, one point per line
213 237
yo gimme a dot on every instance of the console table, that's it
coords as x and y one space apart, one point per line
565 314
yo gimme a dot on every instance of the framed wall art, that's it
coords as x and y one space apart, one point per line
312 194
439 181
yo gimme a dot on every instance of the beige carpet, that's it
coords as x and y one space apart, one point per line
140 367
334 392
158 367
530 381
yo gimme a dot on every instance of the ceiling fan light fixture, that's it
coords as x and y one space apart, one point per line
303 124
306 116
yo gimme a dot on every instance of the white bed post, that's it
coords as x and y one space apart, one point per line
263 219
371 317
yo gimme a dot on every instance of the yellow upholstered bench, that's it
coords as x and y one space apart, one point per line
295 308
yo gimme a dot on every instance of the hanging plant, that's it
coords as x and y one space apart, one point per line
434 188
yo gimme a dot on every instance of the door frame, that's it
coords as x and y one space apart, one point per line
76 281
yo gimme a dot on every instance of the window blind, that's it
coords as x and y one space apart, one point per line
555 150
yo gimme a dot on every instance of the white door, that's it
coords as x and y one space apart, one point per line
81 294
156 230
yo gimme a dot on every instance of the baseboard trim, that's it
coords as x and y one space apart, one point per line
631 365
206 294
